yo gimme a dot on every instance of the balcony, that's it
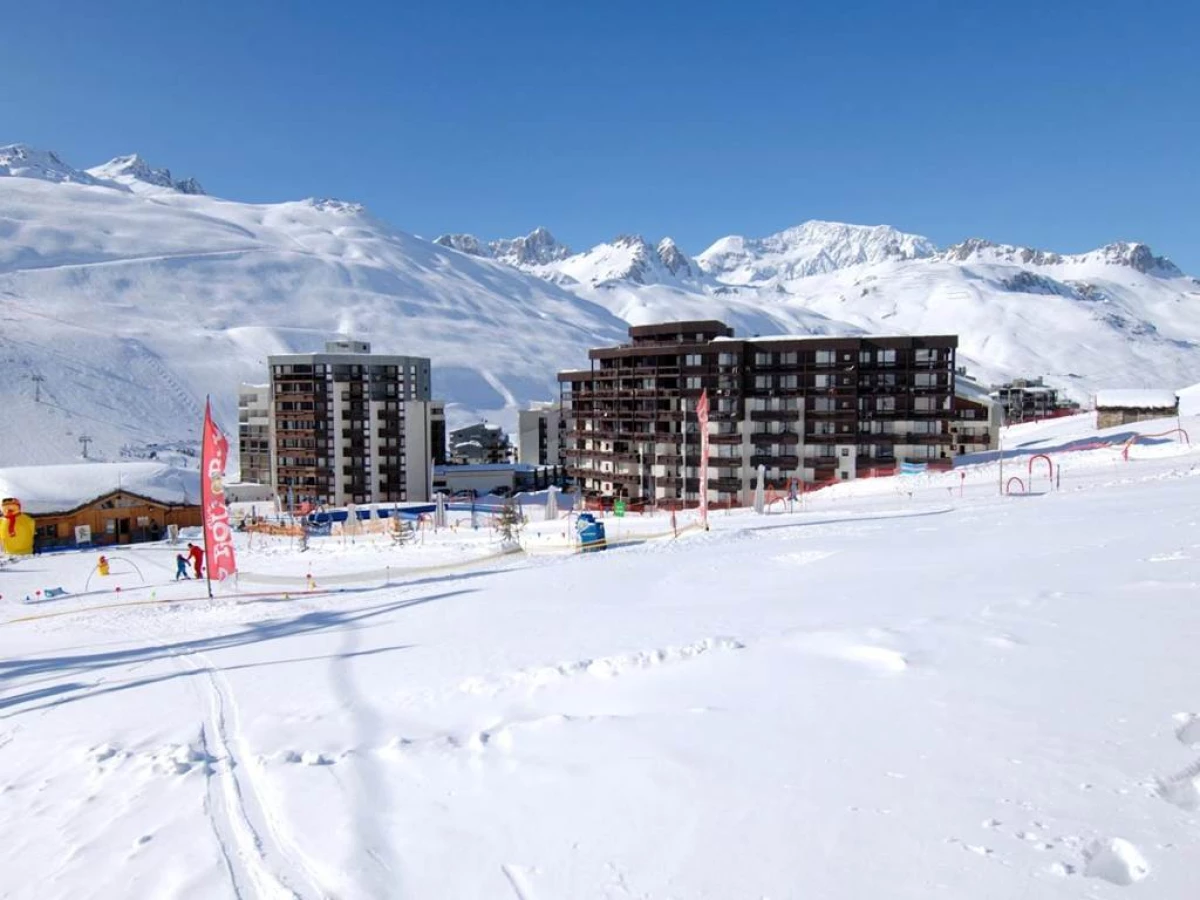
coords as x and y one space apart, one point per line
781 462
725 485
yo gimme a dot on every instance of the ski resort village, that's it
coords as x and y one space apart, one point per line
342 563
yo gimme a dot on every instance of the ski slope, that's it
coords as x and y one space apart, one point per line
131 306
902 688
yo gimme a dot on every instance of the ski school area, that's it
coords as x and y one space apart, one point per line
963 684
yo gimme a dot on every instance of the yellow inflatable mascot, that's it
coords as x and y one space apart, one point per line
16 531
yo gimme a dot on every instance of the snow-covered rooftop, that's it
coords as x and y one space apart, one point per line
1135 398
51 489
965 387
1189 400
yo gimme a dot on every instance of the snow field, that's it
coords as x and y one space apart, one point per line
895 691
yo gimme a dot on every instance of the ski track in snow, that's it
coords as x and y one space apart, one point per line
261 862
369 785
519 881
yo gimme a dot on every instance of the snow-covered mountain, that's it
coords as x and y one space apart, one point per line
127 296
538 248
23 161
814 248
630 258
123 308
1119 315
134 172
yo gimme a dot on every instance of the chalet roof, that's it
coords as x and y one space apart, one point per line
43 490
1135 398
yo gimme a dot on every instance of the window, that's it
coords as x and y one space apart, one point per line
822 404
692 382
825 358
823 428
968 413
762 382
788 382
864 356
692 359
886 357
925 379
924 404
762 359
789 358
885 404
923 355
845 451
822 381
727 359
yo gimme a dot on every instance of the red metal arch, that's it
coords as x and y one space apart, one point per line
1049 466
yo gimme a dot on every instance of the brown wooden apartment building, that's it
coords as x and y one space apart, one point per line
813 408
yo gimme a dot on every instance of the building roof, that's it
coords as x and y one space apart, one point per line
468 468
970 390
947 339
54 489
1135 398
1189 400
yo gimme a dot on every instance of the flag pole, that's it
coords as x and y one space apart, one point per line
203 475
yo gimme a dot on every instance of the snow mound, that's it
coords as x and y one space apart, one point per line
1116 861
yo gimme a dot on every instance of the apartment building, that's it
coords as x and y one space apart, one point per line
1030 399
811 408
977 419
541 435
479 444
350 426
254 433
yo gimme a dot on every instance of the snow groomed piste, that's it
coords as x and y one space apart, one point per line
922 671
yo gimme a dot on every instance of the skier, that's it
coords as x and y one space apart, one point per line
197 556
181 564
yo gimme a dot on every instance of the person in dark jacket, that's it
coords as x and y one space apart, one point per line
181 564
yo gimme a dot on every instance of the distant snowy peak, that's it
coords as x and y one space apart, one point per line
464 243
675 260
631 258
813 248
1136 256
128 169
538 248
23 161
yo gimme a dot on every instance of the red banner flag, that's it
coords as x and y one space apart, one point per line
702 416
218 536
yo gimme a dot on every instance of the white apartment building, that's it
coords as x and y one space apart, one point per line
350 426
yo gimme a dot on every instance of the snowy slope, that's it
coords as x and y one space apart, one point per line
807 705
131 305
1118 316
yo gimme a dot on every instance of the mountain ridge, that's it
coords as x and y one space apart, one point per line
132 301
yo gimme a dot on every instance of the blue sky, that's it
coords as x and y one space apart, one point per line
1061 125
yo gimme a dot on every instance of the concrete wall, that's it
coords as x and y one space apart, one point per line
418 458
